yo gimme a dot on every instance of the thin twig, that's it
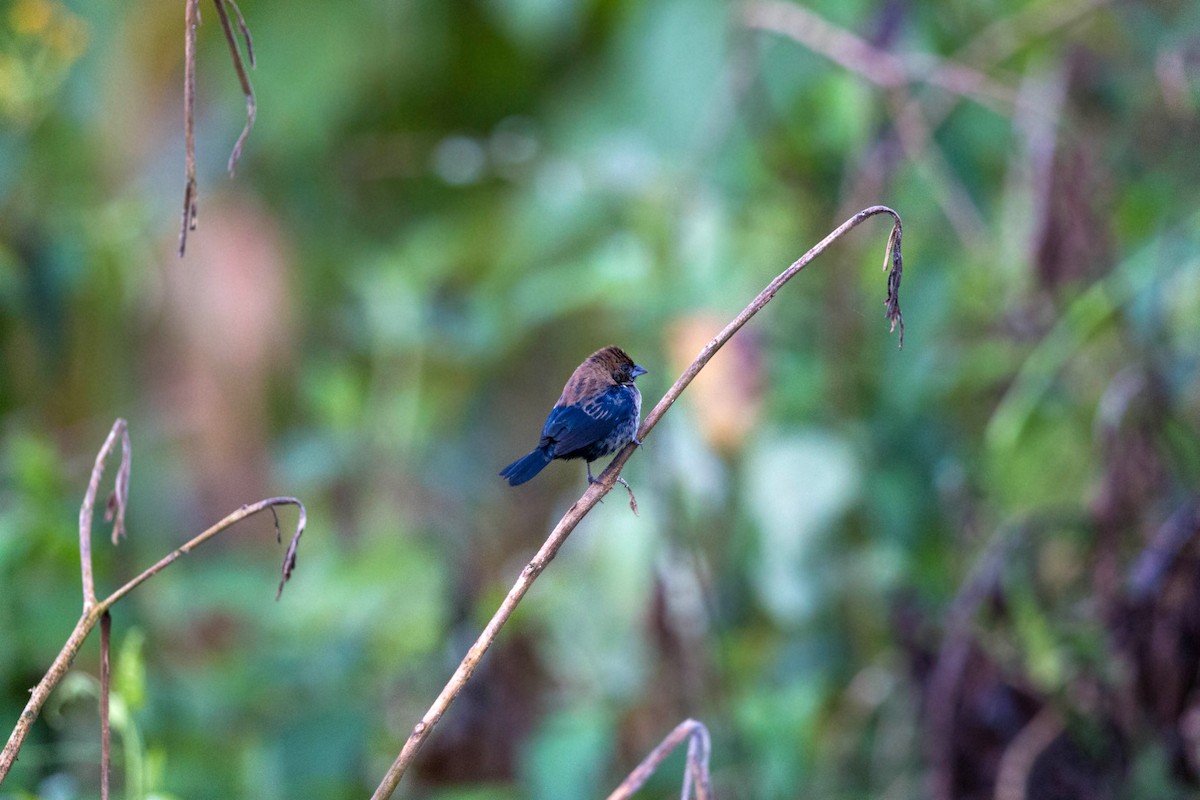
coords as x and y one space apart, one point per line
94 612
916 138
941 703
695 774
1015 770
86 510
41 692
240 68
191 200
1166 548
1005 37
878 66
191 192
896 74
105 679
245 30
608 478
997 43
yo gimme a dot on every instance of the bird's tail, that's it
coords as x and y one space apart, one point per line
525 468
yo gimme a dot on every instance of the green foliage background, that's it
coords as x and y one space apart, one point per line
442 209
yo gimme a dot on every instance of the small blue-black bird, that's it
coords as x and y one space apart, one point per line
597 414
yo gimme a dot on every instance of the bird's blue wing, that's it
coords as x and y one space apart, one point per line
578 425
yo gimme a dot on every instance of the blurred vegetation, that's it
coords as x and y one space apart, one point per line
872 573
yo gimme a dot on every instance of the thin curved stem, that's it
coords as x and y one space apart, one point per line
117 505
240 68
695 774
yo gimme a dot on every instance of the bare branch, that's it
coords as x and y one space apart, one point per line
1003 38
695 774
878 66
609 477
245 31
190 192
896 74
41 692
192 20
240 68
916 138
1016 765
1166 548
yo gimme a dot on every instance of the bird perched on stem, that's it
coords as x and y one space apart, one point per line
596 414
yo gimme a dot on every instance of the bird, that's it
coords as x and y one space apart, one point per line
597 413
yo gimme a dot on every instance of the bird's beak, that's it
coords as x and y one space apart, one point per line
638 369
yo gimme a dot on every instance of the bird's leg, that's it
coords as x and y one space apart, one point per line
636 441
632 500
592 480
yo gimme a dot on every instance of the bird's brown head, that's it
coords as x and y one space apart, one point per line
616 364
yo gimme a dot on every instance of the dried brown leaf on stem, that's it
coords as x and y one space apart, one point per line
696 782
608 479
94 611
289 558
